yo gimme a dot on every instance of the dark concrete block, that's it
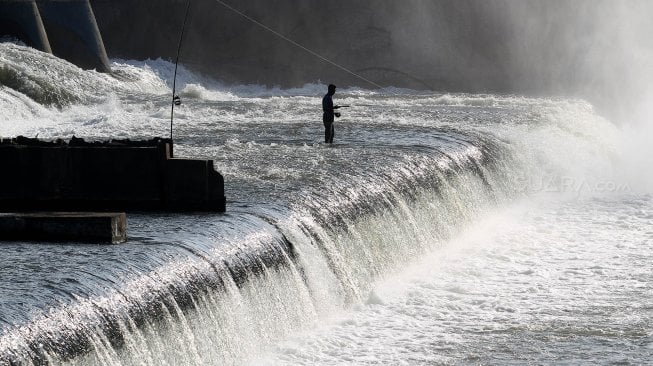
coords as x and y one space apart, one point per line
105 176
73 33
193 185
21 19
96 227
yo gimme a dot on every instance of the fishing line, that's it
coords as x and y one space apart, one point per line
175 98
297 44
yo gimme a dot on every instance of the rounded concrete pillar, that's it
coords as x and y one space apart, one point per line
21 19
73 33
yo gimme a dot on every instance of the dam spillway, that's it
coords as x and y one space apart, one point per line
311 229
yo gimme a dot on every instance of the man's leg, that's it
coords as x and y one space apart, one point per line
333 133
327 132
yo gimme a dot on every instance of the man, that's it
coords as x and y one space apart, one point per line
329 112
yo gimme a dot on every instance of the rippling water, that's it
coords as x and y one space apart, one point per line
438 229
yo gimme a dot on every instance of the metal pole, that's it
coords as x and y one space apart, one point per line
175 98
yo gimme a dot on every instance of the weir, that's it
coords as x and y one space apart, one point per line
278 272
66 28
71 331
285 265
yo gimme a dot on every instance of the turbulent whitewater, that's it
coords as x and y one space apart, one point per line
439 228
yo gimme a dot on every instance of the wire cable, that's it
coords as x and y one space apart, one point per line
297 44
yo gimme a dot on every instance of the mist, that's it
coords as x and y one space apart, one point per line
597 50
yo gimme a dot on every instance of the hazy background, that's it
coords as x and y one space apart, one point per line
600 50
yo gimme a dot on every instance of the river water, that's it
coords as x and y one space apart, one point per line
438 229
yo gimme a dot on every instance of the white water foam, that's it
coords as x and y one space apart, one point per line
564 282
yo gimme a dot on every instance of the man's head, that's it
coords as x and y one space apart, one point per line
332 89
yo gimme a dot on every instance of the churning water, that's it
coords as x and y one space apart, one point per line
438 229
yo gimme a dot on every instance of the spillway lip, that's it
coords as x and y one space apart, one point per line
66 332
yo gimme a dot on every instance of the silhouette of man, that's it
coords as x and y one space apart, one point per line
329 112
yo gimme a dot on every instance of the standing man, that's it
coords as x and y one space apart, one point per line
329 112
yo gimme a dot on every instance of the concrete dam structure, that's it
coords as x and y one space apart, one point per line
65 28
117 175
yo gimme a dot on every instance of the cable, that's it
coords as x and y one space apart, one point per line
296 44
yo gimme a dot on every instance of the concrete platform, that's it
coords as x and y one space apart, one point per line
94 227
110 176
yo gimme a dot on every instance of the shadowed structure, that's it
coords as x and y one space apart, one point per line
66 28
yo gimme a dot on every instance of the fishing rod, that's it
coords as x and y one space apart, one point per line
175 98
